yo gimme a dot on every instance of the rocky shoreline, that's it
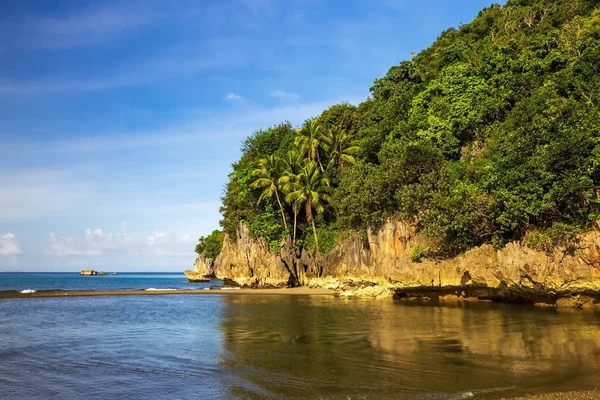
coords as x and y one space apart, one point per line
384 268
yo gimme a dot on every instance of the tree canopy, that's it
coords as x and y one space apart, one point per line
491 134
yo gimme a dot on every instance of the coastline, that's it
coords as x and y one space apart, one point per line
298 291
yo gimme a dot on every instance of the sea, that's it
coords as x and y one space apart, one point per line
239 346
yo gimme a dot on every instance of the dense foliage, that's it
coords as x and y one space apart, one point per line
489 135
210 246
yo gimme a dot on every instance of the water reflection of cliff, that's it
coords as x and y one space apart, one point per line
310 347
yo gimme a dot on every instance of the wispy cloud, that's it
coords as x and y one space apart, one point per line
280 94
86 26
162 68
97 243
222 126
94 243
39 193
233 97
163 245
9 247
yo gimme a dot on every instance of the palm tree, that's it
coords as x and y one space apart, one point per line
309 138
340 146
310 187
267 175
290 167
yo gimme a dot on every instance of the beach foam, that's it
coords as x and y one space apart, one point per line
230 288
158 290
27 291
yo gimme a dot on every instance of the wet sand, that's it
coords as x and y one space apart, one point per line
587 395
81 293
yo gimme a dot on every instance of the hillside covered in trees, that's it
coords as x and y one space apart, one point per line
491 134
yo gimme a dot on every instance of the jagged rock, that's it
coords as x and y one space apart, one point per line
194 276
327 283
514 273
585 302
515 270
450 298
204 266
250 263
369 292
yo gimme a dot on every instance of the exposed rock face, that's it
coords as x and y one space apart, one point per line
575 302
515 272
88 272
250 263
194 277
204 266
203 270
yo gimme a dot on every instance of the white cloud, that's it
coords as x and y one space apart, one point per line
97 243
233 96
94 243
9 245
162 245
280 94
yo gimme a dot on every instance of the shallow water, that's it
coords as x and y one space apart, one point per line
289 347
73 281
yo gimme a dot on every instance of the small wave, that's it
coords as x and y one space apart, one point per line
26 291
159 289
230 288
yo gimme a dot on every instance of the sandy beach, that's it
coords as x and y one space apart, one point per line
80 293
586 395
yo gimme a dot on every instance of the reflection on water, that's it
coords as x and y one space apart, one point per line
315 347
288 347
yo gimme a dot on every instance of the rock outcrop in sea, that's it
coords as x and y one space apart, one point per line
203 270
384 267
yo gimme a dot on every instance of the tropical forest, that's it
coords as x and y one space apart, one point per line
490 135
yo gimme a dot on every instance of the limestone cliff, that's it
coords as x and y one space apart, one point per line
204 266
384 266
250 263
513 271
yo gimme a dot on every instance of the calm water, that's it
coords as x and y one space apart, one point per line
73 281
289 347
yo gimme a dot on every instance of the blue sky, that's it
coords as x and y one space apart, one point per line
119 119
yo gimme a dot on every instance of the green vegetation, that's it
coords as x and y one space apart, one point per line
489 135
210 245
417 254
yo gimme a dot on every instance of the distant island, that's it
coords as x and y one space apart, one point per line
91 272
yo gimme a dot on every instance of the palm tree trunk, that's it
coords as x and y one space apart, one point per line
319 160
315 233
295 218
281 208
309 216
